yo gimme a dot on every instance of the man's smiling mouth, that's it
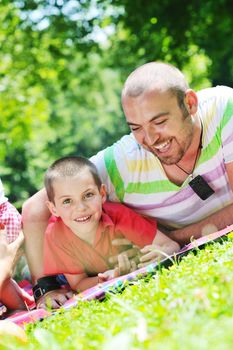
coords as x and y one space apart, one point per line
163 147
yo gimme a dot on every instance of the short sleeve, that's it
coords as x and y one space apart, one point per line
138 229
226 124
100 162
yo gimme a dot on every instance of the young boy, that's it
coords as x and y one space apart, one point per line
78 240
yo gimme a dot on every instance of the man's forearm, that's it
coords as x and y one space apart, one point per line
212 223
35 215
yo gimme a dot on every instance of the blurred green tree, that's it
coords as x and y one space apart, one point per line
174 31
63 62
54 96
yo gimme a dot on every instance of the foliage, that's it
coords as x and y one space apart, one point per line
168 31
188 306
63 63
54 98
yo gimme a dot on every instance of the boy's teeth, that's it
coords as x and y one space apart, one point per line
83 218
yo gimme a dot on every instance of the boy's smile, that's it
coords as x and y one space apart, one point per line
78 201
83 219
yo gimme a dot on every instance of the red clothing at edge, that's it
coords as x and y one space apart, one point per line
64 252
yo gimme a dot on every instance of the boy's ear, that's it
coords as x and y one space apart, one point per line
103 193
51 207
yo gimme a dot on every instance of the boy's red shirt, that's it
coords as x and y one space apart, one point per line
64 252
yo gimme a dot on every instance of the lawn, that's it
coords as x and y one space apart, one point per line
188 306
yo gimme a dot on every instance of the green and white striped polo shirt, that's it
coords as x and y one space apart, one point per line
135 176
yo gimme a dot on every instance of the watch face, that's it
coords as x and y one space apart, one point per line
201 187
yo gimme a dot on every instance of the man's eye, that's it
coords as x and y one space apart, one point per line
159 122
135 129
67 201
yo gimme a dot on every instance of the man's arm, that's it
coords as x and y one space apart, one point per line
35 215
212 223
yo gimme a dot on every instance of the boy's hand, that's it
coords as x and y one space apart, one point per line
108 275
130 250
126 265
54 299
154 252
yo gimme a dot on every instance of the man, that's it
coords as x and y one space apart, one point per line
177 165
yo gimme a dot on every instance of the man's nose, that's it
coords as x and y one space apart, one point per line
151 136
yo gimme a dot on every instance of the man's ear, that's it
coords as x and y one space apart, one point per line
52 208
191 101
103 193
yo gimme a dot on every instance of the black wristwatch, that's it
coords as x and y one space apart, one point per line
45 285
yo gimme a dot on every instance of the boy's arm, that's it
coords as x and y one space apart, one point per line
161 247
81 282
54 299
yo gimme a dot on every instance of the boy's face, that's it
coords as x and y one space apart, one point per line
78 201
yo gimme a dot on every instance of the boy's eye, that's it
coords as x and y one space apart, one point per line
88 195
67 201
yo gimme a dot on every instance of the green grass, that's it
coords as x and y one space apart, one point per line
189 306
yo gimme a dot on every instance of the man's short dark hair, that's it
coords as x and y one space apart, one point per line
156 76
68 167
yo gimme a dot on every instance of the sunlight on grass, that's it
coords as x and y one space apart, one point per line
188 306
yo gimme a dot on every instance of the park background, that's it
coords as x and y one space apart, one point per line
63 64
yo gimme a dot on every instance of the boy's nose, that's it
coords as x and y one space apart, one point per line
81 206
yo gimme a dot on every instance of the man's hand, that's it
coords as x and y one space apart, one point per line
154 252
54 299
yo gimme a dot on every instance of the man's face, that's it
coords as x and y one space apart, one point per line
159 124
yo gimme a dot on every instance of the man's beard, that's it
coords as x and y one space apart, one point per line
169 160
172 160
182 148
